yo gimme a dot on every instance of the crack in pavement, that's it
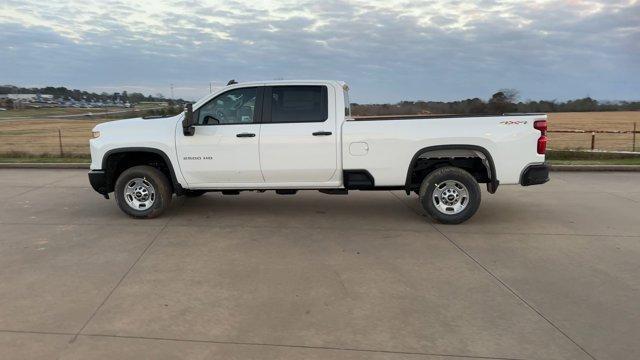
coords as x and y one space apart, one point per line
34 188
146 249
258 344
499 280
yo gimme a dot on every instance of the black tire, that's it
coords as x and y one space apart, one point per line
161 187
437 178
193 193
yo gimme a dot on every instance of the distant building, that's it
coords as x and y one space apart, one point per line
27 97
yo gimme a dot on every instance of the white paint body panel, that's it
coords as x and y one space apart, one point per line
156 134
288 156
393 143
216 155
290 153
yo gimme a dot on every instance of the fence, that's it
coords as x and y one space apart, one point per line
612 140
73 140
58 131
55 142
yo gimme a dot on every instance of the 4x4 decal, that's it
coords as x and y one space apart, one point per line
513 122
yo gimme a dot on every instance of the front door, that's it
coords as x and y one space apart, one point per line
298 138
224 148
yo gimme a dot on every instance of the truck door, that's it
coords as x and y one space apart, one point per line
224 148
298 137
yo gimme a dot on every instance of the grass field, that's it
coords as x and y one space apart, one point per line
40 135
597 162
42 131
590 121
45 159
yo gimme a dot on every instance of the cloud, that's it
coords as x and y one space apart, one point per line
386 50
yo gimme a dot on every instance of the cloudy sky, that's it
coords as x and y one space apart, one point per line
387 50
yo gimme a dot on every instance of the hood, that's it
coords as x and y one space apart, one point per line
138 123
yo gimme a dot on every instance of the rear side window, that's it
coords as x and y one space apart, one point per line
291 104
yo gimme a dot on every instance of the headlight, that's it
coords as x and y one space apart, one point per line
95 134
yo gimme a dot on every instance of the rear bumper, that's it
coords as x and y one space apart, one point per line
535 174
98 181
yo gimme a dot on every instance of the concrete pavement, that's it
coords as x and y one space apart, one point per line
546 272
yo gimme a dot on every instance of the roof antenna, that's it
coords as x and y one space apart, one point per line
231 82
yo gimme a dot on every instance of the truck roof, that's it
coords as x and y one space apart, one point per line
337 83
286 82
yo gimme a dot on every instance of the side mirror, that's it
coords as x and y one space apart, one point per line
187 123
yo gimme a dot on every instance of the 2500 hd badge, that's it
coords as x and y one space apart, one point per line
197 158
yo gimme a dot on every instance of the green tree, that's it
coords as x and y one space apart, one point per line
500 103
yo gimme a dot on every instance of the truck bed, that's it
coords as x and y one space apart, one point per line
385 145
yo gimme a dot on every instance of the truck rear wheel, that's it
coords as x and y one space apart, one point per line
450 195
143 192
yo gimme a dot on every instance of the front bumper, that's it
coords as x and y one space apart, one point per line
535 174
98 181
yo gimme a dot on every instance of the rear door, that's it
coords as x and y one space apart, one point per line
224 148
298 137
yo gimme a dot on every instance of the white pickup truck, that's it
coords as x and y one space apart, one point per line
299 135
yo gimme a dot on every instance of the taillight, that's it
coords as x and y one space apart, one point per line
542 144
541 125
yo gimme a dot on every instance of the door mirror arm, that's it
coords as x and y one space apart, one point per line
187 123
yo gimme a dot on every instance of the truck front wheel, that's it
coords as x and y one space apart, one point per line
450 195
143 192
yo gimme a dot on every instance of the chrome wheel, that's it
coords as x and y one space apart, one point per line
450 197
139 194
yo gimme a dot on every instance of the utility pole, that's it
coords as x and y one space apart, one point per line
210 88
171 91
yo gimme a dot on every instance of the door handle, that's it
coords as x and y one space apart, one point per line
322 133
245 135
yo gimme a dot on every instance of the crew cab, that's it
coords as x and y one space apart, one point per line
299 135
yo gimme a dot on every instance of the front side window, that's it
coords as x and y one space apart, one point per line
298 104
233 107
